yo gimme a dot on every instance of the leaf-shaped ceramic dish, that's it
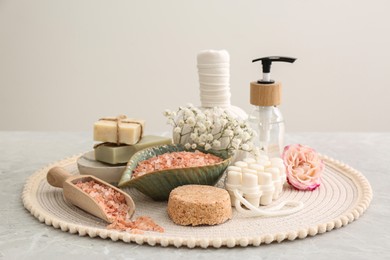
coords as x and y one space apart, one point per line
158 184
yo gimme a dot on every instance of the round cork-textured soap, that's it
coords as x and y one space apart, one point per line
199 205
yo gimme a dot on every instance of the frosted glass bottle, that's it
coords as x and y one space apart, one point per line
268 123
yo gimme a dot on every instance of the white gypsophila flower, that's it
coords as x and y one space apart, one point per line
230 117
191 121
188 113
200 117
171 122
167 112
187 145
201 127
180 123
228 132
208 113
236 142
201 144
190 105
245 147
209 137
196 110
216 143
223 122
232 122
250 145
246 136
193 136
238 131
177 130
203 137
217 123
208 123
193 146
207 147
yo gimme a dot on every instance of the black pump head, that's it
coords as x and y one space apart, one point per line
267 62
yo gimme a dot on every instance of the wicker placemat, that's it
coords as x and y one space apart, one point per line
343 196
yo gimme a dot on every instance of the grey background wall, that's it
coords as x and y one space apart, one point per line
64 64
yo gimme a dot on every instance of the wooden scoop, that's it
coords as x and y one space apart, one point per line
60 178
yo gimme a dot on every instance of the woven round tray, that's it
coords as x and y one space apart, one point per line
342 197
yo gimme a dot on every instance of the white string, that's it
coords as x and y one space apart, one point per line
294 206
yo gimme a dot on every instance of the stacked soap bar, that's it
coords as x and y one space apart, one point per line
122 137
119 130
116 154
258 180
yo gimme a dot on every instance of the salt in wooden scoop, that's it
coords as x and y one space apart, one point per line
60 178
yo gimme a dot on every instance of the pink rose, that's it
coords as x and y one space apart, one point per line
303 167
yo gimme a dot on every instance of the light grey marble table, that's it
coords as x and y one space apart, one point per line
24 237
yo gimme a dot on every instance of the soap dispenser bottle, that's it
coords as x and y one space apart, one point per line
267 119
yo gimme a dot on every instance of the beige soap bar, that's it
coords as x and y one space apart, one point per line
116 154
120 130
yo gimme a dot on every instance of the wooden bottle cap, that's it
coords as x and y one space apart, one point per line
265 94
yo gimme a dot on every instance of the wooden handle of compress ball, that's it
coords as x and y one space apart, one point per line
57 176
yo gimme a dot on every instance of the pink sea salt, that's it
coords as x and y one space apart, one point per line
175 160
